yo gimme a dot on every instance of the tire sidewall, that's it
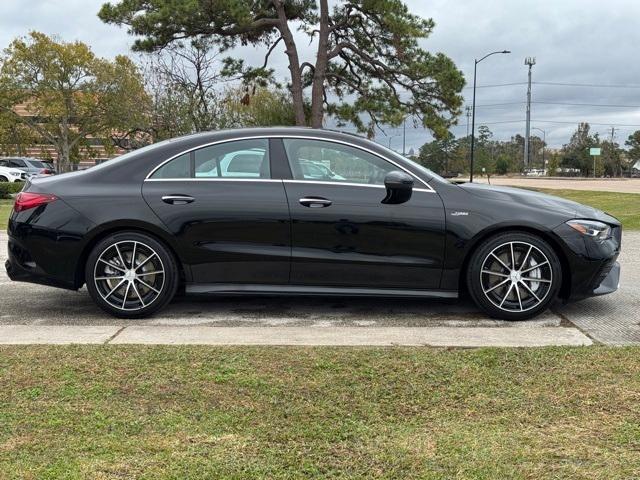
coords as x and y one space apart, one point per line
478 258
170 282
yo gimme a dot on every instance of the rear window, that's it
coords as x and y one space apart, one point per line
37 164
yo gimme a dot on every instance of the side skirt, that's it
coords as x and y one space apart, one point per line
251 289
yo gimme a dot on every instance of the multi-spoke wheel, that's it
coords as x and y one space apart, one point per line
131 275
514 276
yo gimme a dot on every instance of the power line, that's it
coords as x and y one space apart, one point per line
607 105
498 85
594 85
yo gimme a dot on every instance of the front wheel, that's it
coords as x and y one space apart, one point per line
131 275
514 276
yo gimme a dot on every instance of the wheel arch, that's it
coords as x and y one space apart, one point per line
104 231
565 288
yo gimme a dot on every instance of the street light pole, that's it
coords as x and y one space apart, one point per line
473 108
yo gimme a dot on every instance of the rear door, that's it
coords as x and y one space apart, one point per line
342 233
230 217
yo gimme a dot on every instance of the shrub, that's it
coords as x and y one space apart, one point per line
6 188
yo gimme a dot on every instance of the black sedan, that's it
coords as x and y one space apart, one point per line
246 212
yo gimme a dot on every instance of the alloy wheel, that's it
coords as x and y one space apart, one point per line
129 275
516 276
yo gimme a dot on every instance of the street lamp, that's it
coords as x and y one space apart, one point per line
473 108
544 142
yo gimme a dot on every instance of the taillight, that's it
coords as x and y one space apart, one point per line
27 200
46 171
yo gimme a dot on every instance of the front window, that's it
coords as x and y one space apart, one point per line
333 162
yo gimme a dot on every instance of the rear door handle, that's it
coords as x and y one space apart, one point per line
177 199
315 202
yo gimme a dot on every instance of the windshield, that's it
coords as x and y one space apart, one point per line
37 163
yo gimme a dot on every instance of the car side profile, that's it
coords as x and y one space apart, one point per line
240 212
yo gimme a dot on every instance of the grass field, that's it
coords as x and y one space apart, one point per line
5 209
624 206
250 412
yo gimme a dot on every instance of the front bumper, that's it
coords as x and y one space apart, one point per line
610 280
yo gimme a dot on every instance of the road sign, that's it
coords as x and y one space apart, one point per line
594 151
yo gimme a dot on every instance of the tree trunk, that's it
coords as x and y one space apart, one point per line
63 147
294 65
319 72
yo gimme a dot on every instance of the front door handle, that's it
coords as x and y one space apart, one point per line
315 202
177 199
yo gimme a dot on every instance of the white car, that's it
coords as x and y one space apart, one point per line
8 174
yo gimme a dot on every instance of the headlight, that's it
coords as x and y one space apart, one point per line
15 174
591 228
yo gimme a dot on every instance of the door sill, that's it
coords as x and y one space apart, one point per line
257 289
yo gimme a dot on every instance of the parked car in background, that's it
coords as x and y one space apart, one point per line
31 166
12 175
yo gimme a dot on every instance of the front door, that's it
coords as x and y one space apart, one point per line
230 217
342 235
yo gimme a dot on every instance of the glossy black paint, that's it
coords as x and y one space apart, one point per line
243 233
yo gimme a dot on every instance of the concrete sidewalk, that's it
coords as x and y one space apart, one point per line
295 336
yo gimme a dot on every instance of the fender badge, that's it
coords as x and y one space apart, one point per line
459 214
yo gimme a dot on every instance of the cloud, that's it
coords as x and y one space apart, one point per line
574 41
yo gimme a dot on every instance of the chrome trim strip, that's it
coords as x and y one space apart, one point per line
349 184
213 179
307 137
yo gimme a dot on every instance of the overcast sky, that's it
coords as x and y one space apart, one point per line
574 41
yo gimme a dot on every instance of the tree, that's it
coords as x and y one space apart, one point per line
70 94
438 154
368 62
575 154
633 154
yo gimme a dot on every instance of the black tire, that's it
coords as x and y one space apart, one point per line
517 293
3 179
145 291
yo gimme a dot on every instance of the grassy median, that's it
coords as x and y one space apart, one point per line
5 210
624 206
251 412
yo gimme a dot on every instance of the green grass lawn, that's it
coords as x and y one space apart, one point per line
624 206
252 412
5 209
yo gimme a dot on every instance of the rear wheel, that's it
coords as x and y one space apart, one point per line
131 275
514 276
3 179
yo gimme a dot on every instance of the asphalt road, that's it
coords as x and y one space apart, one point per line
612 319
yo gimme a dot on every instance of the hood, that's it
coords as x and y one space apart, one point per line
15 171
538 200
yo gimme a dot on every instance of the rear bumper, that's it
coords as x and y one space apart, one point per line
20 267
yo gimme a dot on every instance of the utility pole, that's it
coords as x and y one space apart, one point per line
404 135
468 114
530 61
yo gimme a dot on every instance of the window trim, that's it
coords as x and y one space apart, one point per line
427 188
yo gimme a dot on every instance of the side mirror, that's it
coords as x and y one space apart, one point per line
399 187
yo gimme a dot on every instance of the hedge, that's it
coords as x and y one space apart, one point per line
6 188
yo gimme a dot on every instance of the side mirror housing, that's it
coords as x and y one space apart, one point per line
399 187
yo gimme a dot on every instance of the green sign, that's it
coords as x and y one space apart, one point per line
594 151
